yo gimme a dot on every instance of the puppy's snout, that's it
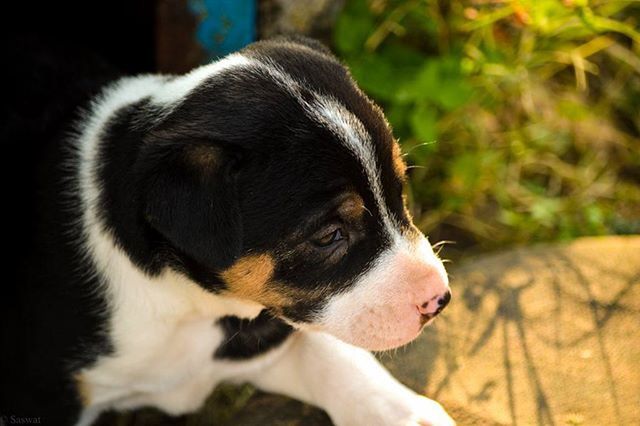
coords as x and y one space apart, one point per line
444 301
435 305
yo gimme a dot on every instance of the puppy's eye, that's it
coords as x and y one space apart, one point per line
329 239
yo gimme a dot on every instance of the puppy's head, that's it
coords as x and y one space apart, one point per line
273 178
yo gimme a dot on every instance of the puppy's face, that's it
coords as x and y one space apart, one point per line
276 180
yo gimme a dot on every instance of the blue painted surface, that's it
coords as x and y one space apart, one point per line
225 25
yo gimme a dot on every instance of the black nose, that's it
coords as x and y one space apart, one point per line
443 301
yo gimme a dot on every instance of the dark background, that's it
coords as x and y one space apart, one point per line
121 31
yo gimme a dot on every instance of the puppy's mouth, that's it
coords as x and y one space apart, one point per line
426 319
379 328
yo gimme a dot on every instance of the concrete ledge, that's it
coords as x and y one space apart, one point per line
542 335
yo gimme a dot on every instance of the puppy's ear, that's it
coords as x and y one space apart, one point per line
191 199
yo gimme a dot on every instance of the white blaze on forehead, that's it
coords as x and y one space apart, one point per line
324 110
352 133
334 116
179 88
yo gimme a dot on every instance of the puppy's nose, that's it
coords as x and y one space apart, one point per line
433 307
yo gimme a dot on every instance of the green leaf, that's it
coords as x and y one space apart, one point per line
453 94
376 76
352 30
423 86
424 123
439 81
399 116
545 210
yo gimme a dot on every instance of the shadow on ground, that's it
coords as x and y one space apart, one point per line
548 335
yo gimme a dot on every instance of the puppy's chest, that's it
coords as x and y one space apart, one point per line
154 358
165 336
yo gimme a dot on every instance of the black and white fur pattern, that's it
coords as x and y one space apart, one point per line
241 223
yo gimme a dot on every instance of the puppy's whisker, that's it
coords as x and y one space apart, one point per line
420 145
437 247
441 243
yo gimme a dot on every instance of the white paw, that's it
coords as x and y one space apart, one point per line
395 409
427 412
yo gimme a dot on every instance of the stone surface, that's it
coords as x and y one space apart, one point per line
548 335
544 335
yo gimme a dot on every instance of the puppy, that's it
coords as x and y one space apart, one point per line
243 222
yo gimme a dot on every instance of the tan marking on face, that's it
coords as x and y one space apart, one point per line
399 166
251 278
352 208
204 157
82 387
412 233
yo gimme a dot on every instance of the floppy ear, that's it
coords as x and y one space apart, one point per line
191 199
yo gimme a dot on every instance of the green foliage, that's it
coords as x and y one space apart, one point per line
521 117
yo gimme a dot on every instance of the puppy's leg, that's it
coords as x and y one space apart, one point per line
348 383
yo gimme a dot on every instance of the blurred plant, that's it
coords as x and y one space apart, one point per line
521 119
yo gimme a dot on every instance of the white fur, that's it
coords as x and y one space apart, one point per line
355 137
330 113
163 328
380 310
348 382
179 88
323 109
381 305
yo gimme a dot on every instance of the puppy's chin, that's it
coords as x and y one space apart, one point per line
378 343
378 329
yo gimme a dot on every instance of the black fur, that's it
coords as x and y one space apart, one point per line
237 168
276 167
245 339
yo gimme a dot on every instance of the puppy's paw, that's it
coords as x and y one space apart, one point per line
427 412
398 409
